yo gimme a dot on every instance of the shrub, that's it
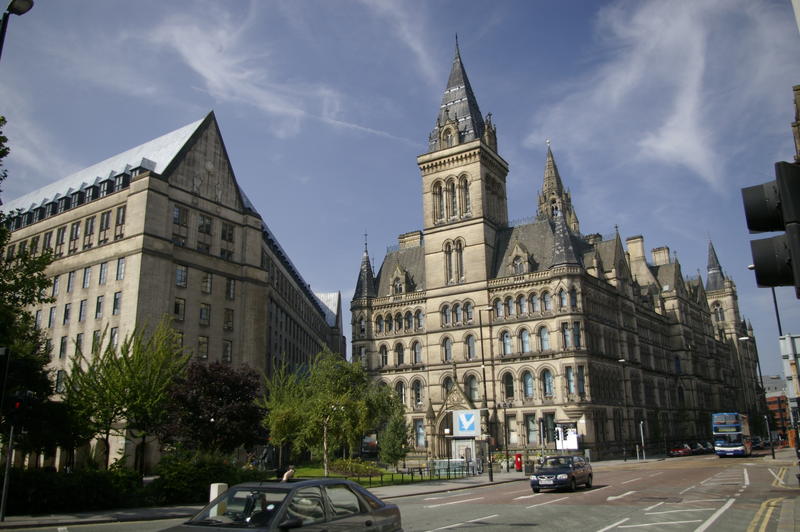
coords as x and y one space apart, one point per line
354 467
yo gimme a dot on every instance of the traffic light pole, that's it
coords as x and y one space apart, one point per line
8 474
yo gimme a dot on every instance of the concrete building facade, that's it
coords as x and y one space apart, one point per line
164 229
544 330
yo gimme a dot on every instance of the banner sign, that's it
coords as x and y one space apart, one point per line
466 422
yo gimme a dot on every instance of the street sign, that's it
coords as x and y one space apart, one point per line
466 422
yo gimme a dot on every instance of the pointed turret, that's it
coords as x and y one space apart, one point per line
459 119
716 277
553 199
365 287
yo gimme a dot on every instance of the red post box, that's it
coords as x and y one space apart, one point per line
518 462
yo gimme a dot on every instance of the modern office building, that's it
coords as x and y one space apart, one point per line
164 229
548 336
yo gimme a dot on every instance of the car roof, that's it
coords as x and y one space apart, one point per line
292 484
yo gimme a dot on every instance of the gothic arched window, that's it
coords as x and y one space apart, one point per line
400 390
448 263
399 355
379 324
534 301
408 321
562 298
416 390
384 356
522 305
446 315
438 202
458 315
508 385
518 265
389 323
508 307
464 190
397 286
472 388
544 339
525 341
452 201
547 304
419 316
459 261
505 339
527 385
416 349
470 341
498 308
468 311
547 383
447 349
447 385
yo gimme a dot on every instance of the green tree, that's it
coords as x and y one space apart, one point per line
125 389
283 399
212 407
394 439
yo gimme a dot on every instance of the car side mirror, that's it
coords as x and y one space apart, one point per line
292 522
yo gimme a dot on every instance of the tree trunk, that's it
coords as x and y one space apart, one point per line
325 448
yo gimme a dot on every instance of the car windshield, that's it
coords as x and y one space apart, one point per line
723 440
248 507
556 461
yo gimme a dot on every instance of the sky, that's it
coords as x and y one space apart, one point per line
658 112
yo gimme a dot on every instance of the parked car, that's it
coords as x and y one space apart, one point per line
709 447
758 443
318 504
697 448
562 472
682 449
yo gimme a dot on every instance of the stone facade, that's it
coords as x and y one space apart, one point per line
542 329
165 230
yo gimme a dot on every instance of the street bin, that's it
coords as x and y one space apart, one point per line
529 468
518 462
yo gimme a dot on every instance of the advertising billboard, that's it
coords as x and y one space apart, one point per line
466 423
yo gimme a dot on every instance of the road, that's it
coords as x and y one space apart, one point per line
680 494
694 493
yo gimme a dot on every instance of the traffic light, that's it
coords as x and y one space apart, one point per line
19 410
775 206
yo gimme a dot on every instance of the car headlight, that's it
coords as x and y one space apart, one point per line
562 476
533 477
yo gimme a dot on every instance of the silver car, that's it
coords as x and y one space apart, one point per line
317 504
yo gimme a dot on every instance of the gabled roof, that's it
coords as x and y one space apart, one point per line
155 155
411 260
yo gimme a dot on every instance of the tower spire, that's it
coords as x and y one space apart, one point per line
365 286
715 274
553 199
459 119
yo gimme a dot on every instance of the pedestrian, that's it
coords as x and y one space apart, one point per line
289 474
479 464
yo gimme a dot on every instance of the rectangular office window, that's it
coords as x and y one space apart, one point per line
67 310
204 224
87 276
54 291
179 240
60 234
203 247
38 319
202 347
48 347
115 309
179 308
570 378
51 319
227 350
79 343
226 233
70 281
513 438
62 348
114 336
75 231
88 226
230 289
120 268
419 433
103 273
181 275
581 380
227 324
105 220
95 339
34 245
47 241
180 215
179 337
205 314
120 220
98 307
82 310
205 282
531 429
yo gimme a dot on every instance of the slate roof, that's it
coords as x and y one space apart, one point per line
715 274
411 260
330 306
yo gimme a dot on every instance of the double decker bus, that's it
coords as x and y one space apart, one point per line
731 432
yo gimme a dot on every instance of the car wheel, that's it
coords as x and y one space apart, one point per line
572 484
536 490
589 482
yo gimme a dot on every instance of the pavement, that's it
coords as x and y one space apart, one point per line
788 520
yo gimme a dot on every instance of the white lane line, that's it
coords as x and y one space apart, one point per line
687 489
454 502
450 496
548 502
609 527
746 478
464 523
526 496
632 480
520 491
776 476
708 522
656 474
664 523
589 492
698 500
615 497
482 518
656 505
686 510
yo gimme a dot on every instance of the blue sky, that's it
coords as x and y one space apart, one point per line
658 111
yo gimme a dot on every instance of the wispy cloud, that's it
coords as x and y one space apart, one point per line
671 82
408 23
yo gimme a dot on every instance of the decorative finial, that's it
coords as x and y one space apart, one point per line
365 242
458 52
547 141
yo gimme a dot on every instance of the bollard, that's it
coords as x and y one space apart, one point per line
216 490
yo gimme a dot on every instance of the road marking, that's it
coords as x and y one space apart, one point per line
520 491
525 496
713 517
777 479
454 502
656 474
615 497
609 527
548 502
63 529
687 489
746 478
685 510
465 522
663 523
768 504
656 505
588 492
451 495
699 500
632 480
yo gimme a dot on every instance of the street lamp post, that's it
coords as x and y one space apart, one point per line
485 405
505 405
15 7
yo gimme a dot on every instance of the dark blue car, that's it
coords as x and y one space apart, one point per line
562 472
